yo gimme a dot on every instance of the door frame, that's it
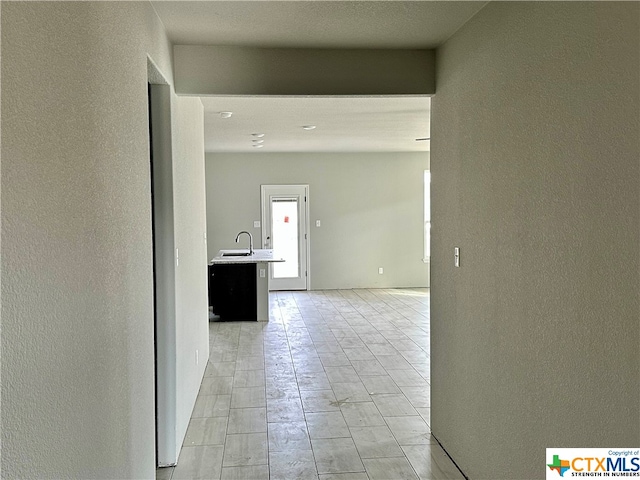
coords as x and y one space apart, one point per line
307 232
163 246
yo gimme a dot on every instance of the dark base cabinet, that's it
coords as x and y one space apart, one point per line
232 291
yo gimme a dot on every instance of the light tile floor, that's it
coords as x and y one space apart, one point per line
334 387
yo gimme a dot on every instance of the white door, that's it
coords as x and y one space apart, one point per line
284 229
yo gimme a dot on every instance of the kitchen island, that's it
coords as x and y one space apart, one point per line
238 284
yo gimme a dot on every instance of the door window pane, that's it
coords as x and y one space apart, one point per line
284 232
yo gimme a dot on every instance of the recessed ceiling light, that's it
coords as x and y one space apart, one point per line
423 139
258 135
226 114
308 127
258 145
257 140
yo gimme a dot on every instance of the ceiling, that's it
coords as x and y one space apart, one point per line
353 124
342 123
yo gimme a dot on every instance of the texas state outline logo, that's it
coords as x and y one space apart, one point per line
592 462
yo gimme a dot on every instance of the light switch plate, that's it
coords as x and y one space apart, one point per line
256 224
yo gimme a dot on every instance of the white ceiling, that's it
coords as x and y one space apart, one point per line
343 123
353 124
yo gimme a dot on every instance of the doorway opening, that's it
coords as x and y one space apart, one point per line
285 210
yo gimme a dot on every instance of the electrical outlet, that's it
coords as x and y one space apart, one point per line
262 273
318 223
256 224
380 270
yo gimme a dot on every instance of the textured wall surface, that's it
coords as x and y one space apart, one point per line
370 206
535 176
192 295
229 70
77 305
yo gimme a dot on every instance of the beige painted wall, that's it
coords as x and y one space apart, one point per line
77 309
233 70
535 165
370 206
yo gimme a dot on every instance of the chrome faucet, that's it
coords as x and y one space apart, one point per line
250 241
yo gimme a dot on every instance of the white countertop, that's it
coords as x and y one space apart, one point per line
259 256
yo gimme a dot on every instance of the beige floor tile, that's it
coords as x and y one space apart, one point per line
250 362
355 362
373 337
393 405
327 425
342 374
308 366
284 410
344 476
425 413
408 378
253 472
212 406
319 401
220 369
431 462
397 468
247 397
247 420
334 359
283 390
420 397
288 436
352 342
368 367
292 464
336 455
245 449
313 381
380 384
394 362
410 430
359 354
415 356
206 431
216 386
248 378
375 442
328 346
199 462
364 414
423 369
351 392
379 349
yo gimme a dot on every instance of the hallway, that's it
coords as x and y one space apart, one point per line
334 386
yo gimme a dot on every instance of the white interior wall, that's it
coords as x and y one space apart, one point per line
192 305
77 310
370 206
535 176
164 268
